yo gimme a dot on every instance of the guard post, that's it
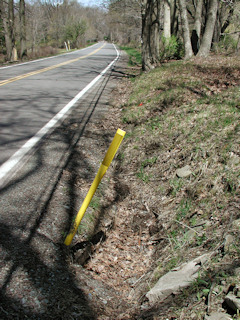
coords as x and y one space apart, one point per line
102 170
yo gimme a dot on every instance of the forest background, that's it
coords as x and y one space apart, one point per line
162 29
183 114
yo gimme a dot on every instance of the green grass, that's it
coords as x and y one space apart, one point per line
135 57
183 209
95 202
145 177
87 224
183 113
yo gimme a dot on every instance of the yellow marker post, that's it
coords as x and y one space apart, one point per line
102 170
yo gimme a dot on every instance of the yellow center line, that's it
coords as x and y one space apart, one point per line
3 82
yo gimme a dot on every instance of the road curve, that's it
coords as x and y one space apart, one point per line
39 200
35 95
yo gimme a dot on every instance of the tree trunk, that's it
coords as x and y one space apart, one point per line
185 28
22 20
209 29
228 20
174 17
7 15
7 34
156 32
11 30
238 44
150 34
146 30
222 21
167 19
196 33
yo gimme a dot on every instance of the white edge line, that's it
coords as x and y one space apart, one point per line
7 166
52 57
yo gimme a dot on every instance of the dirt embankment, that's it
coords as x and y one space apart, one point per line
171 195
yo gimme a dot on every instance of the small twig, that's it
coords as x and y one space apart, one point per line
187 227
4 311
138 280
139 239
170 243
132 290
182 316
146 206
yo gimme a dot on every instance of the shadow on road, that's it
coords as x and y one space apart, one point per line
35 276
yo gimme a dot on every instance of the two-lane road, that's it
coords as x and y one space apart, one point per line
42 185
34 96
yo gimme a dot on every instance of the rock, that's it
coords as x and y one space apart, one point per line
108 223
218 316
208 224
176 279
234 159
184 172
82 251
132 281
190 235
232 302
237 271
82 255
229 240
236 224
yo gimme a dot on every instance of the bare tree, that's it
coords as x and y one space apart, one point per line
22 20
196 32
150 34
7 15
167 19
209 29
225 15
124 19
185 28
174 17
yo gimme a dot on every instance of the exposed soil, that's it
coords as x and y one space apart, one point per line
145 236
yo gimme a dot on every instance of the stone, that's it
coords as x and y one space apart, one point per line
218 316
184 172
229 240
82 255
190 235
108 223
234 159
237 271
176 279
232 301
236 224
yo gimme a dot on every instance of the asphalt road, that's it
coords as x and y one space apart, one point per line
42 194
31 94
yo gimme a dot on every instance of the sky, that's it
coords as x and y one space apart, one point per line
90 2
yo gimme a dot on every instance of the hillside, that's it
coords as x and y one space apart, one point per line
183 115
